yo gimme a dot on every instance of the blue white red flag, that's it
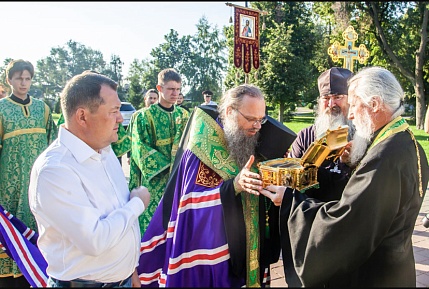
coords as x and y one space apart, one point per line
19 243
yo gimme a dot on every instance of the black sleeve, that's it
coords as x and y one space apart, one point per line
292 278
270 246
235 228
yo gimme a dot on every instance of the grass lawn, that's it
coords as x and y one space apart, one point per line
55 117
304 120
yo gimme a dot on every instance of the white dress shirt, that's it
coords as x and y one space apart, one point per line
210 103
88 227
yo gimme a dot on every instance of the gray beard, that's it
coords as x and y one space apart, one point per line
362 138
332 119
240 146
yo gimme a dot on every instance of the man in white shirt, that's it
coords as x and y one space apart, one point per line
87 218
208 98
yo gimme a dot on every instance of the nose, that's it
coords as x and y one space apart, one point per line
351 115
257 124
331 102
119 118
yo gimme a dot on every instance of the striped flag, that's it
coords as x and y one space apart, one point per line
19 243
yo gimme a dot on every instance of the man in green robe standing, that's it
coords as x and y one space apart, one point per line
26 129
155 136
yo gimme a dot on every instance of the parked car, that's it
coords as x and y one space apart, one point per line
127 109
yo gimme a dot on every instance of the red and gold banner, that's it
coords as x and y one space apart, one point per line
246 38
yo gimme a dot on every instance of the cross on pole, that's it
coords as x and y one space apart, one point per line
349 51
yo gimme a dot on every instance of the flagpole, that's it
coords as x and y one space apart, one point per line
255 10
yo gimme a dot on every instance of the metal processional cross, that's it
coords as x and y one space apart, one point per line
349 52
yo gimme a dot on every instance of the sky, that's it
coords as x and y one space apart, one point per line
128 29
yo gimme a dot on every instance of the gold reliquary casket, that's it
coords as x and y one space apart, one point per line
301 173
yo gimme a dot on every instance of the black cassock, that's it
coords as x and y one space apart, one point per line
364 239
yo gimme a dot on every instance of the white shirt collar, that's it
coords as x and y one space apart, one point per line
79 149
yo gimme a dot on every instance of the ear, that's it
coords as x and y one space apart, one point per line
228 111
158 87
376 103
81 116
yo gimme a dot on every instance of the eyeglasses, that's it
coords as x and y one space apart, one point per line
336 97
252 120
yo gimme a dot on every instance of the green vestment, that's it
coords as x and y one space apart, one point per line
25 132
155 135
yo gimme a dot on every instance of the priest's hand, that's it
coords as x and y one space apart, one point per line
345 156
247 180
274 193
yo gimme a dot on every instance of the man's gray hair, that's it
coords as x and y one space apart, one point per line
378 81
234 97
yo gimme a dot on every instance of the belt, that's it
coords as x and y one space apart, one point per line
88 283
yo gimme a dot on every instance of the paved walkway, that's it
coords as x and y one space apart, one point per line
420 244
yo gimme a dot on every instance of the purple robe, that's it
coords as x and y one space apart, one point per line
180 256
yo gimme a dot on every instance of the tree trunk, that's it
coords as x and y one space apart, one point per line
281 112
420 60
416 78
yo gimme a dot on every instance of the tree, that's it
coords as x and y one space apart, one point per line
114 71
396 33
135 92
199 59
287 49
3 70
62 64
206 63
285 73
383 12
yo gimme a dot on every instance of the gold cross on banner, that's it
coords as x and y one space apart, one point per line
348 52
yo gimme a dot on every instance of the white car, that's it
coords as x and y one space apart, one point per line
127 109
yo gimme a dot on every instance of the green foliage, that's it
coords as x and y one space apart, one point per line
63 63
114 71
135 93
293 54
286 66
199 59
207 62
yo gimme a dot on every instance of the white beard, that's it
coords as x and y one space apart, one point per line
331 119
362 139
240 146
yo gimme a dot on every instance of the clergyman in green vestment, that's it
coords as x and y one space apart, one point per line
26 130
155 136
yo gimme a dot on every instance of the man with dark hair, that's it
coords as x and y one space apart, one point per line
210 229
208 98
155 135
26 129
87 218
332 113
180 101
363 239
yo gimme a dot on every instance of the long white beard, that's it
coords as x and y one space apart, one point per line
362 138
331 119
240 146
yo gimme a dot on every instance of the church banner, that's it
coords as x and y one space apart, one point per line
246 39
